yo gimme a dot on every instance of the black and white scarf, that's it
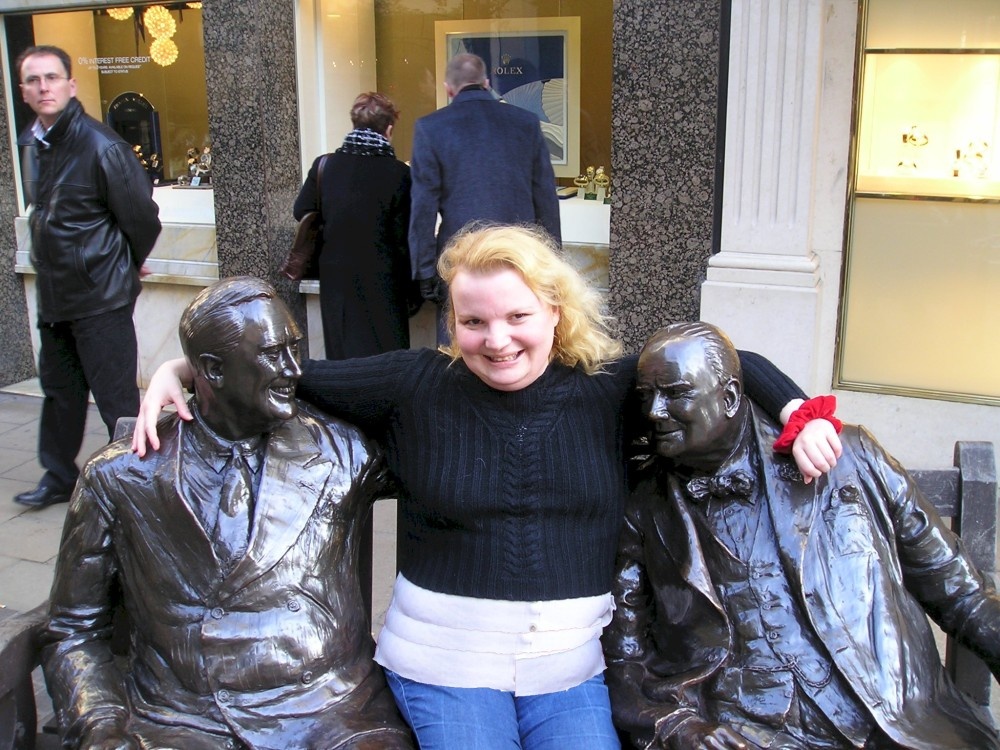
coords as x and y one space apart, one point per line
366 142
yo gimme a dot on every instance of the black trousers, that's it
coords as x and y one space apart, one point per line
98 355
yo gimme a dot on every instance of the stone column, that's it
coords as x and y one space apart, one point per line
664 122
785 183
17 362
251 81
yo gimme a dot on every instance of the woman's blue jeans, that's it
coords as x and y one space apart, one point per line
445 718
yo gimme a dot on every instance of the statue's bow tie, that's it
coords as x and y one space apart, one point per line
737 484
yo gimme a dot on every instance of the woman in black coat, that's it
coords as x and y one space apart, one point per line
363 194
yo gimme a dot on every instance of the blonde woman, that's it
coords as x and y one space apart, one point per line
508 448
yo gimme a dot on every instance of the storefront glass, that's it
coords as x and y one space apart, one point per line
550 56
920 312
400 47
140 69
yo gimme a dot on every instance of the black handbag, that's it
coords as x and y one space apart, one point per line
303 259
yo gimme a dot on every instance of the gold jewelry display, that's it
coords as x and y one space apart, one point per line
915 136
602 182
590 192
913 139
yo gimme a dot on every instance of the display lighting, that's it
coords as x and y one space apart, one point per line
194 6
163 51
159 23
120 14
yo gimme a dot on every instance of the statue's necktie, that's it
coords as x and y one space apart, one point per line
232 530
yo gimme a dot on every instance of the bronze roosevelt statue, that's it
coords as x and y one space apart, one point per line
234 552
754 611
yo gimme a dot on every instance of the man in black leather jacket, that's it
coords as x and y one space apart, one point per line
93 223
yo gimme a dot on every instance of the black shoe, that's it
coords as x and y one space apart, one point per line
42 497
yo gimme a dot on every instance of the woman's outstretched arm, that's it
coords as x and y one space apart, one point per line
817 447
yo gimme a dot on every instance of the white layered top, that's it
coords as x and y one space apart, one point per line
526 648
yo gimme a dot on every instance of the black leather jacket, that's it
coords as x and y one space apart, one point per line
93 220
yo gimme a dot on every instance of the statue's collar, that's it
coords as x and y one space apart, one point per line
214 448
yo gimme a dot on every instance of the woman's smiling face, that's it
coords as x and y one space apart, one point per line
503 330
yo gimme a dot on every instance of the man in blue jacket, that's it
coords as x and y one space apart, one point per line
93 223
476 159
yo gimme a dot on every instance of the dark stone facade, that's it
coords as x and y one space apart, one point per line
253 121
664 112
16 360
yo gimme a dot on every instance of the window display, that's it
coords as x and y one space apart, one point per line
919 314
927 122
140 69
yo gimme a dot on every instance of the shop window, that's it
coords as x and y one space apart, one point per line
919 314
141 70
553 57
400 49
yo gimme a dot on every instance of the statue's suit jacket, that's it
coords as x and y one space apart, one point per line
279 651
865 553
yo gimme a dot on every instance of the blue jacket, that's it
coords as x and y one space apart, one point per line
477 159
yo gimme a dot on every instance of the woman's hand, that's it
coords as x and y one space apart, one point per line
815 431
816 449
166 387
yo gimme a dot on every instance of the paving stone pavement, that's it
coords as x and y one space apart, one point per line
29 539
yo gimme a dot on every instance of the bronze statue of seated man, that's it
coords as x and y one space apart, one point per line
755 611
234 548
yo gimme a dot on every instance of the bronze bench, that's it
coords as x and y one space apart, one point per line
966 493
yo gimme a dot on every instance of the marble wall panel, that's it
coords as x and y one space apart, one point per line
157 312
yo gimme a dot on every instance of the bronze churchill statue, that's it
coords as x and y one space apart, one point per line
233 550
755 611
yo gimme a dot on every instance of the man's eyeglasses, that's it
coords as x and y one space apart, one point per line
50 79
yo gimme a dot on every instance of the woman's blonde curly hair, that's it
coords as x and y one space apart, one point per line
582 336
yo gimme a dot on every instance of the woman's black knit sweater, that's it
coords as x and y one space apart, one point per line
514 495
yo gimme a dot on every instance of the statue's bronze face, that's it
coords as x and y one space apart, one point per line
687 403
259 376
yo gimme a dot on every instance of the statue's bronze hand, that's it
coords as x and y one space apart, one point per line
698 734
